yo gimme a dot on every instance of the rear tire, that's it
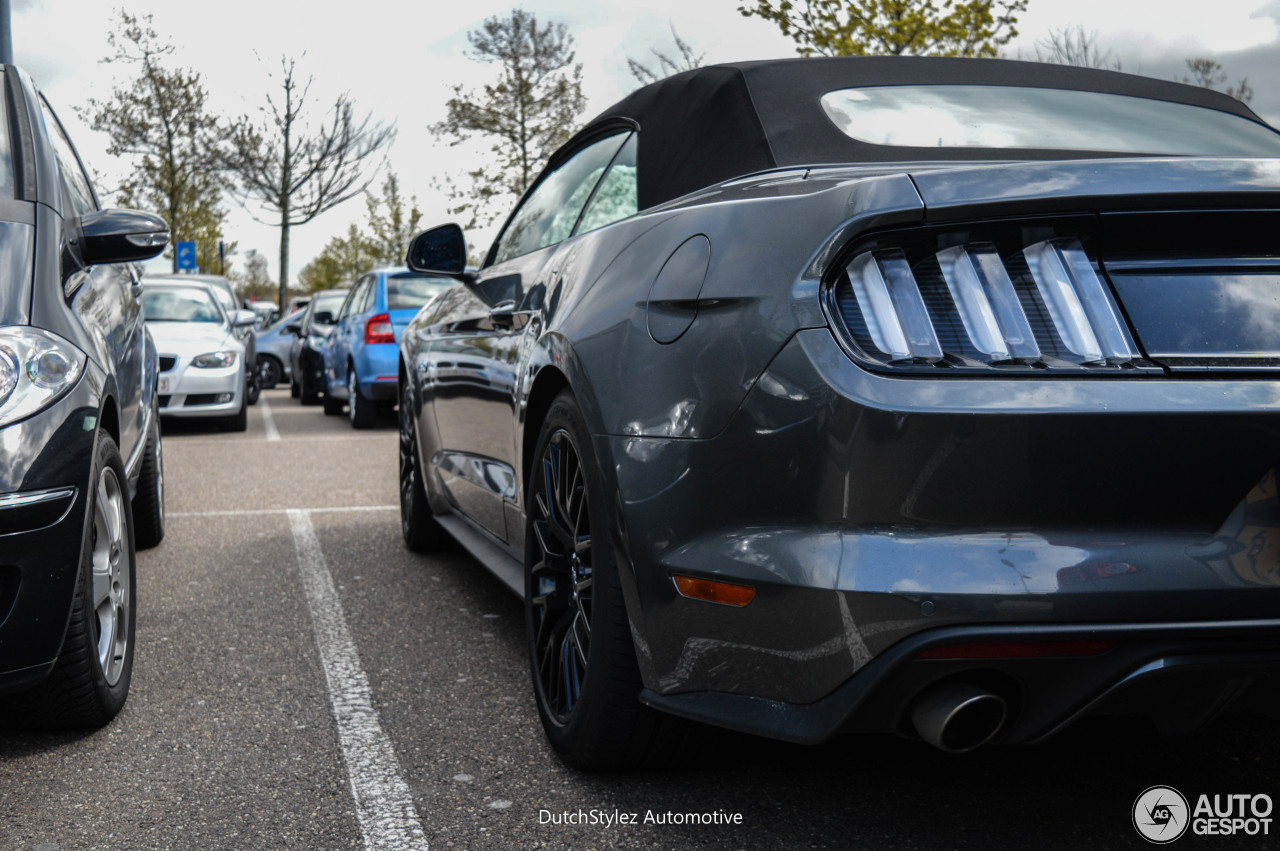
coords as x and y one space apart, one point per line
360 411
421 532
586 679
332 406
90 679
148 504
294 390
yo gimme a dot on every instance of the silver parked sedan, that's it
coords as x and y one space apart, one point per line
202 361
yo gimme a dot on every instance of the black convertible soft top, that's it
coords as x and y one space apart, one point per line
712 124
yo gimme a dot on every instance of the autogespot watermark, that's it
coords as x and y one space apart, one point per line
1162 814
614 818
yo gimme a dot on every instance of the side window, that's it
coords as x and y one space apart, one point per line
617 196
74 179
550 212
349 307
370 293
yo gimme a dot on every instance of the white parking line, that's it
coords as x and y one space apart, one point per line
268 421
242 512
384 805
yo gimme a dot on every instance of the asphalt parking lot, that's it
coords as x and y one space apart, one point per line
303 681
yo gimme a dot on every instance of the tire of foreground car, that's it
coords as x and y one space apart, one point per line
238 421
585 677
252 388
308 393
90 679
148 503
361 412
270 372
417 523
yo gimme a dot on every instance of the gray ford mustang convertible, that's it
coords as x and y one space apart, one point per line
931 396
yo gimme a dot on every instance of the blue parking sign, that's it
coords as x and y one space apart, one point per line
186 255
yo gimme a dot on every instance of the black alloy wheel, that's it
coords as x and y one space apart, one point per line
560 576
586 678
269 372
420 530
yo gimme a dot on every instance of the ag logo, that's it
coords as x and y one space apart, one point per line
1160 814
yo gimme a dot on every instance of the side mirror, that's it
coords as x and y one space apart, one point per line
120 236
440 251
295 329
244 318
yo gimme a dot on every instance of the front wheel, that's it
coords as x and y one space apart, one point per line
269 372
585 677
148 502
238 421
417 524
90 679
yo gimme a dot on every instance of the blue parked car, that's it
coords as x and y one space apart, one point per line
361 356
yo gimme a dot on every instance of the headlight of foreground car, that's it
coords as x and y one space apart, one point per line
1012 299
36 369
214 360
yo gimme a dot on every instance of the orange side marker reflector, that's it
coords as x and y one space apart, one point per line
714 592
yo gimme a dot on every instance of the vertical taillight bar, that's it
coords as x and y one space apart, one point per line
891 304
987 303
1078 303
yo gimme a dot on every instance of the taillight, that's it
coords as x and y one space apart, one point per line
378 329
1017 299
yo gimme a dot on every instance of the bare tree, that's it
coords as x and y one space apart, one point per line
1074 46
667 64
295 171
1208 73
530 111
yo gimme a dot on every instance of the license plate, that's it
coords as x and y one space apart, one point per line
163 389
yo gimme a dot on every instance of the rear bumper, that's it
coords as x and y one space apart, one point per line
1180 674
377 366
869 513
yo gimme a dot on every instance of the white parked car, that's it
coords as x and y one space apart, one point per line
202 361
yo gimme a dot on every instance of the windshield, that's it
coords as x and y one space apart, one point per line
184 305
1057 119
324 308
413 291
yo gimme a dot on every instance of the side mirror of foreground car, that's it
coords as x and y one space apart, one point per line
120 236
244 319
440 251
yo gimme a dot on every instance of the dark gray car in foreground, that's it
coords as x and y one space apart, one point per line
81 458
920 395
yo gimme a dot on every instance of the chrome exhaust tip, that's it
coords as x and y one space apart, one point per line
958 717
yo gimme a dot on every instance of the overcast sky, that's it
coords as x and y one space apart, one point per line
398 61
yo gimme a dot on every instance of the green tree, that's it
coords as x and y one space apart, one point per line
1208 73
161 123
295 171
530 111
667 64
391 223
893 27
341 261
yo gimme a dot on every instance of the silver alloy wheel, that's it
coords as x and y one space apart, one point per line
159 456
111 575
353 394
